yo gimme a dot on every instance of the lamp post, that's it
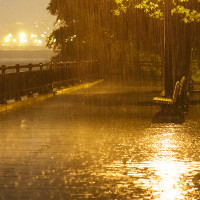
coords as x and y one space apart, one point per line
168 48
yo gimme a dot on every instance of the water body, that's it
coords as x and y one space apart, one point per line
23 57
98 144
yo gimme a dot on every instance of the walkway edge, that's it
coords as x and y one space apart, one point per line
39 98
77 87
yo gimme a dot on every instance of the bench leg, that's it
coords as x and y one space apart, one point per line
168 114
165 108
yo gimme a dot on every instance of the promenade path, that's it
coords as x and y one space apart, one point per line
98 143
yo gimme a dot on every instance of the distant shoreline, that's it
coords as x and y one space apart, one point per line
25 56
22 53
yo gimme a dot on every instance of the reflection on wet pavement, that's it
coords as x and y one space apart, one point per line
90 145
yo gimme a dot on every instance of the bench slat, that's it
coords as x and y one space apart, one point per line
163 100
170 101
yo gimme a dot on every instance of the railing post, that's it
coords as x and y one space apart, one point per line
51 75
98 69
30 67
74 71
3 99
41 66
18 89
42 81
62 66
58 73
65 74
95 70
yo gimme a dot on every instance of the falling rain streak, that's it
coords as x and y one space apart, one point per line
100 142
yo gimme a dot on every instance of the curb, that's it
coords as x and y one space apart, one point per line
77 87
39 98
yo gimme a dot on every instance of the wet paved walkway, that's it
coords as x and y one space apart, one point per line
97 143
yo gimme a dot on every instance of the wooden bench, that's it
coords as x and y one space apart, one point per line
169 101
184 95
177 94
182 86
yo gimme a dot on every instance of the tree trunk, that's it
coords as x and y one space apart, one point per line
182 50
168 49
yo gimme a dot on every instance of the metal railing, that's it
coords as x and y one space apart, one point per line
25 80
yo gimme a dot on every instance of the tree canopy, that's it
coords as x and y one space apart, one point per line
188 10
124 31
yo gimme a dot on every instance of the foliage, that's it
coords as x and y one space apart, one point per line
188 10
93 21
114 31
182 26
80 22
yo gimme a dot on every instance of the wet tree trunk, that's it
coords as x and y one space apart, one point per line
182 50
168 49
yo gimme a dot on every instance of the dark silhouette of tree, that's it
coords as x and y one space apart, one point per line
121 31
181 21
80 28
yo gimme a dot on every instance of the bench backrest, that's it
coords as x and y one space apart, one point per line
176 91
182 82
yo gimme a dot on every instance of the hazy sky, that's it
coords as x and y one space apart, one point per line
24 11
